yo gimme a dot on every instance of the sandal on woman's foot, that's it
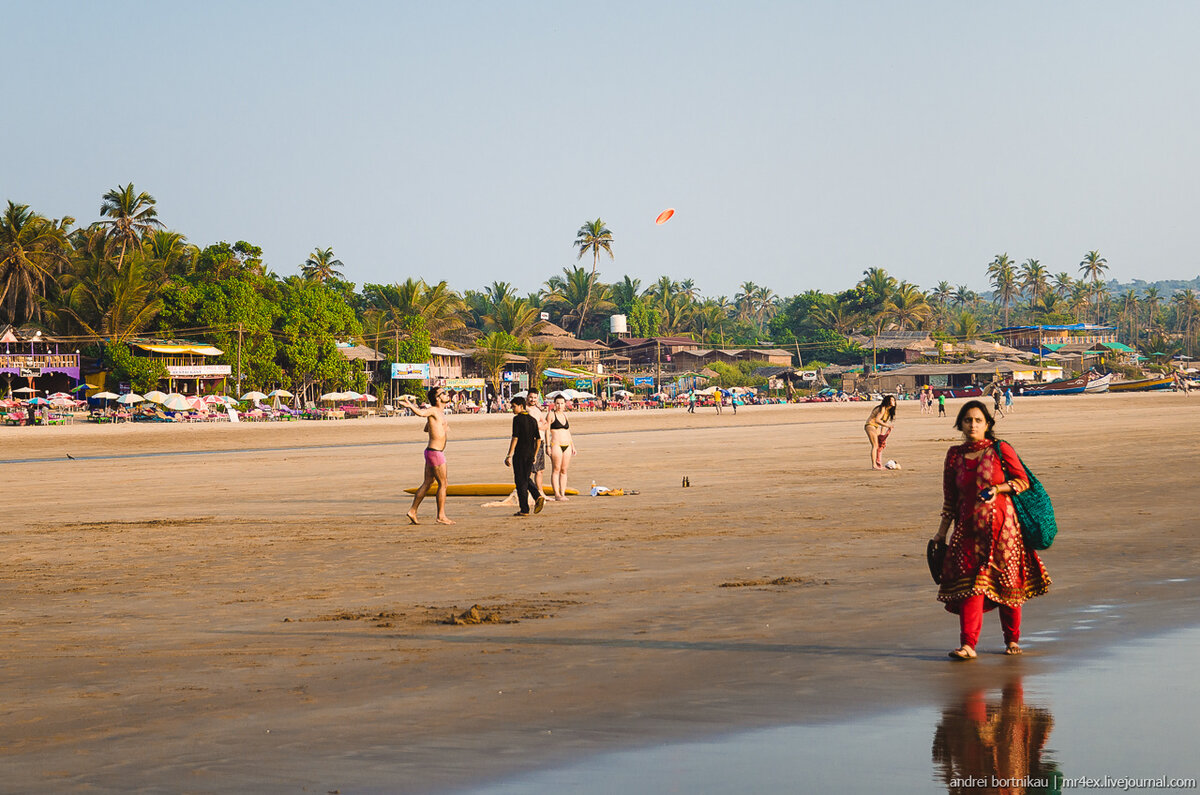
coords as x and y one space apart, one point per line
963 653
1012 648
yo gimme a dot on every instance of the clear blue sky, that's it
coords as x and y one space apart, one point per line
800 143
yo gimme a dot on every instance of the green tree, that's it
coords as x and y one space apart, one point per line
576 294
131 217
513 316
1004 281
99 300
541 355
592 237
1093 267
906 307
414 348
141 372
33 251
493 352
322 266
1035 280
313 318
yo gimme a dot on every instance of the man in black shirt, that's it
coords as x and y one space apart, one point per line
522 449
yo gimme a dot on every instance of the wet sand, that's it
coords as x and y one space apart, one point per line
215 607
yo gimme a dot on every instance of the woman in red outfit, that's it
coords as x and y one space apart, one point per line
987 565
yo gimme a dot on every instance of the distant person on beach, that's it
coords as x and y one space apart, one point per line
533 404
879 427
718 398
692 402
1008 401
999 412
941 405
522 449
438 428
562 448
987 564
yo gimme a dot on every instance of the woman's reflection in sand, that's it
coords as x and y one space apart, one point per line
983 746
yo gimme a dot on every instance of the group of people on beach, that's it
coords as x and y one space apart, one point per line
534 431
987 564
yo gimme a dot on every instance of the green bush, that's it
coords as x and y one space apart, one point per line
142 373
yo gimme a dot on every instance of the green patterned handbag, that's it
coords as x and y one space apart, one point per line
1035 513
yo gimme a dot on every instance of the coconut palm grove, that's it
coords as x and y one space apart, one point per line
125 275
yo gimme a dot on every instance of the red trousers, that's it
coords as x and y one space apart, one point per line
970 621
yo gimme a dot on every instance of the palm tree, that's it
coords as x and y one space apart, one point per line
1151 299
625 292
833 314
33 250
907 307
1092 266
492 355
965 326
171 251
708 322
322 266
745 301
576 294
131 218
105 302
1004 281
941 294
1048 304
541 355
595 237
1186 308
1034 279
963 295
1063 284
513 316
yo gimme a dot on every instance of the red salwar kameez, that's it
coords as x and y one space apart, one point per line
987 563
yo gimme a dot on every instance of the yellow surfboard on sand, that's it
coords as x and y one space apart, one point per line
483 490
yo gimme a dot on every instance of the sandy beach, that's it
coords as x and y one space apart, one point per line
245 608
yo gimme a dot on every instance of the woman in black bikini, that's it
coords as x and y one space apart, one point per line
562 448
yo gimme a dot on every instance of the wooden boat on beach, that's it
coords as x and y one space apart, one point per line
957 392
1144 385
1098 383
1065 386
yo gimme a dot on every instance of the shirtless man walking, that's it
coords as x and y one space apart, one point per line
435 452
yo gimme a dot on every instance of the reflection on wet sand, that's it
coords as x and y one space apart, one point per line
995 746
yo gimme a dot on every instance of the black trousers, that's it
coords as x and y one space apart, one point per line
523 479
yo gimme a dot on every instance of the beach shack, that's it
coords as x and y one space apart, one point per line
573 351
32 359
184 361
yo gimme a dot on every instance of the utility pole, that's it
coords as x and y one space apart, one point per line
658 376
239 358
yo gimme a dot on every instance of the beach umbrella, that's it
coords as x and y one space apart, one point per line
59 396
62 402
130 398
154 396
623 393
253 396
331 396
84 385
176 403
351 395
283 393
25 389
106 396
370 398
197 403
37 401
525 393
210 399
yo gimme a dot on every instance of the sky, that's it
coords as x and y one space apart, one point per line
799 143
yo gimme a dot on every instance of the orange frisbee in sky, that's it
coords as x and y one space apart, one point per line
664 216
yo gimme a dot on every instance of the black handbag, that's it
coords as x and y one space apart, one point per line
935 555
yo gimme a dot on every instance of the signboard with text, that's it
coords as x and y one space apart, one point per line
643 380
410 372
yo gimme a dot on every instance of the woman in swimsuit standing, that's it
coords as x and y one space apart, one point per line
562 447
879 425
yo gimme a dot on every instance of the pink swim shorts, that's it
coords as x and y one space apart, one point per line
435 458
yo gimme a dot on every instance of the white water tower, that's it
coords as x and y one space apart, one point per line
617 325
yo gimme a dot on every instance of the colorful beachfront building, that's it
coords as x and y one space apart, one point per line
185 361
1032 338
30 358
